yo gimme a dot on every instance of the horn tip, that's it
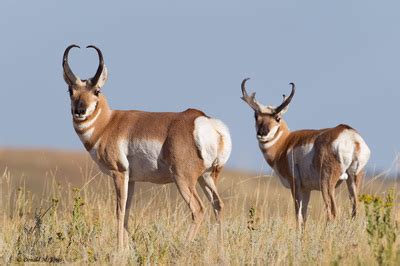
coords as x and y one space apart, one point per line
244 82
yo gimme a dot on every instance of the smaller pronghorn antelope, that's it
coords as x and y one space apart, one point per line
308 160
137 146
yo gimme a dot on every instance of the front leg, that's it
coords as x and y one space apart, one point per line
300 198
121 180
131 189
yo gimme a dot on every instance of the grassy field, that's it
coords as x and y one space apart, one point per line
56 207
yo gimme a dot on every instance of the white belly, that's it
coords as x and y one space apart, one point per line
300 160
145 163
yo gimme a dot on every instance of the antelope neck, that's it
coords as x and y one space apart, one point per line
271 149
88 130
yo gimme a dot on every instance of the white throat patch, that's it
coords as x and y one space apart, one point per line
86 135
269 144
87 124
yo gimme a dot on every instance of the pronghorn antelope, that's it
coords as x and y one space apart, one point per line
308 160
137 146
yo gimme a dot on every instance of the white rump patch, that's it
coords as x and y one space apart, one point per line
207 134
344 147
223 131
363 156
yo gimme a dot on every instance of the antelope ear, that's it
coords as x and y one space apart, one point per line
102 79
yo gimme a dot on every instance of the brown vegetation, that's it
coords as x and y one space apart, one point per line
56 207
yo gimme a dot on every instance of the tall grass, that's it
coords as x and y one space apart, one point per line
66 224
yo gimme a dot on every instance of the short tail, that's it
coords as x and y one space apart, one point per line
213 141
225 142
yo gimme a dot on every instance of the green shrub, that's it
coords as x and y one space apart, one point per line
381 229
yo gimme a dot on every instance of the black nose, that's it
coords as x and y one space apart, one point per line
80 111
262 131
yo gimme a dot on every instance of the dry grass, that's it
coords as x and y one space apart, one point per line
44 219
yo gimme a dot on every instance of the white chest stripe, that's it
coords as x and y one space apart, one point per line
271 143
89 123
87 135
271 133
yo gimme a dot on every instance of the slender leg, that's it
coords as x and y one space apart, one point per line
298 205
306 200
210 190
189 194
121 188
207 183
327 199
298 198
131 189
353 194
358 179
333 201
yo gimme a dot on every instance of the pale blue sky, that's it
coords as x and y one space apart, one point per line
170 55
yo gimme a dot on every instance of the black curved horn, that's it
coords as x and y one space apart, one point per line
243 86
287 100
67 70
100 69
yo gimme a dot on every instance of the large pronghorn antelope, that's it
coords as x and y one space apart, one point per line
137 146
308 160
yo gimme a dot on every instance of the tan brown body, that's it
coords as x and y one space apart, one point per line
136 146
307 160
114 126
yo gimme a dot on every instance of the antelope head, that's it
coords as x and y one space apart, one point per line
268 118
84 94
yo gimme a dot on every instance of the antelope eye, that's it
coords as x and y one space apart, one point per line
70 92
277 119
97 92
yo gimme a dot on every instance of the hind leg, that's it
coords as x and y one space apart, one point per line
353 185
210 190
189 193
330 176
333 201
327 200
358 179
207 183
